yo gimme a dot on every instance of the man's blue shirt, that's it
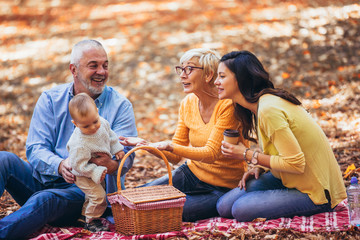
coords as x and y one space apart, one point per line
51 128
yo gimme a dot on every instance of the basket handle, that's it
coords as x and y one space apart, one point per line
146 148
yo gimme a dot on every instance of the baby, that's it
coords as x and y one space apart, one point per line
91 135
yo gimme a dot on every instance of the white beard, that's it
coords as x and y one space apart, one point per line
87 85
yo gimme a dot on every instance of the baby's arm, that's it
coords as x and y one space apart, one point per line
79 159
115 146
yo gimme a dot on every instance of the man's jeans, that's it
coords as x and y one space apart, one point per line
267 198
59 203
201 197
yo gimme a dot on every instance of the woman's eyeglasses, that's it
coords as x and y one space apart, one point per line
187 69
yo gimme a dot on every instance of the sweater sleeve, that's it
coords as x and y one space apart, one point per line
79 161
115 145
212 149
290 158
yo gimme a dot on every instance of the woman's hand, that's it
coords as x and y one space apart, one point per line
165 145
254 172
233 151
132 141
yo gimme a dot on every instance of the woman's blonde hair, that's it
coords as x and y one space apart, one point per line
207 58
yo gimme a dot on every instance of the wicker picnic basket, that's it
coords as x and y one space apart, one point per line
147 210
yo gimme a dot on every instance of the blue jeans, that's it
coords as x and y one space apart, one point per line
201 197
267 198
58 203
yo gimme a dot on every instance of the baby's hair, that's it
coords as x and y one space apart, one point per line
80 105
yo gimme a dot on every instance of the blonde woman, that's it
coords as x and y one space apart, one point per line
206 175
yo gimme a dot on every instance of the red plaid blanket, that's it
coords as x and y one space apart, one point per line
329 221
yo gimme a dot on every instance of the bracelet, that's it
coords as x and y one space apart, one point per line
245 155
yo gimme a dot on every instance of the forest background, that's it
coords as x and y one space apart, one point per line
310 48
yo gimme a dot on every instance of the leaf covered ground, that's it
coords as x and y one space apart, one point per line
311 48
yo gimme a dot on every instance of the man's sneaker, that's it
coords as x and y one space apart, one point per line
96 226
80 222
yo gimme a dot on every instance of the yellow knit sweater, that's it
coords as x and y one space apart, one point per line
201 143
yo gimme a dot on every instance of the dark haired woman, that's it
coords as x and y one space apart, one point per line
296 172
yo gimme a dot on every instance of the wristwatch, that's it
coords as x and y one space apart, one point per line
248 161
254 158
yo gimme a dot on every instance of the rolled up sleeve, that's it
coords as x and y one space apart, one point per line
290 159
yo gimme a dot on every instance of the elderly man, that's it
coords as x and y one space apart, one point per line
44 186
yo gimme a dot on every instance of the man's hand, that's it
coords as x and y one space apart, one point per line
103 175
65 171
119 155
103 159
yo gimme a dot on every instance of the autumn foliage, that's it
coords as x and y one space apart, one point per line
310 48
